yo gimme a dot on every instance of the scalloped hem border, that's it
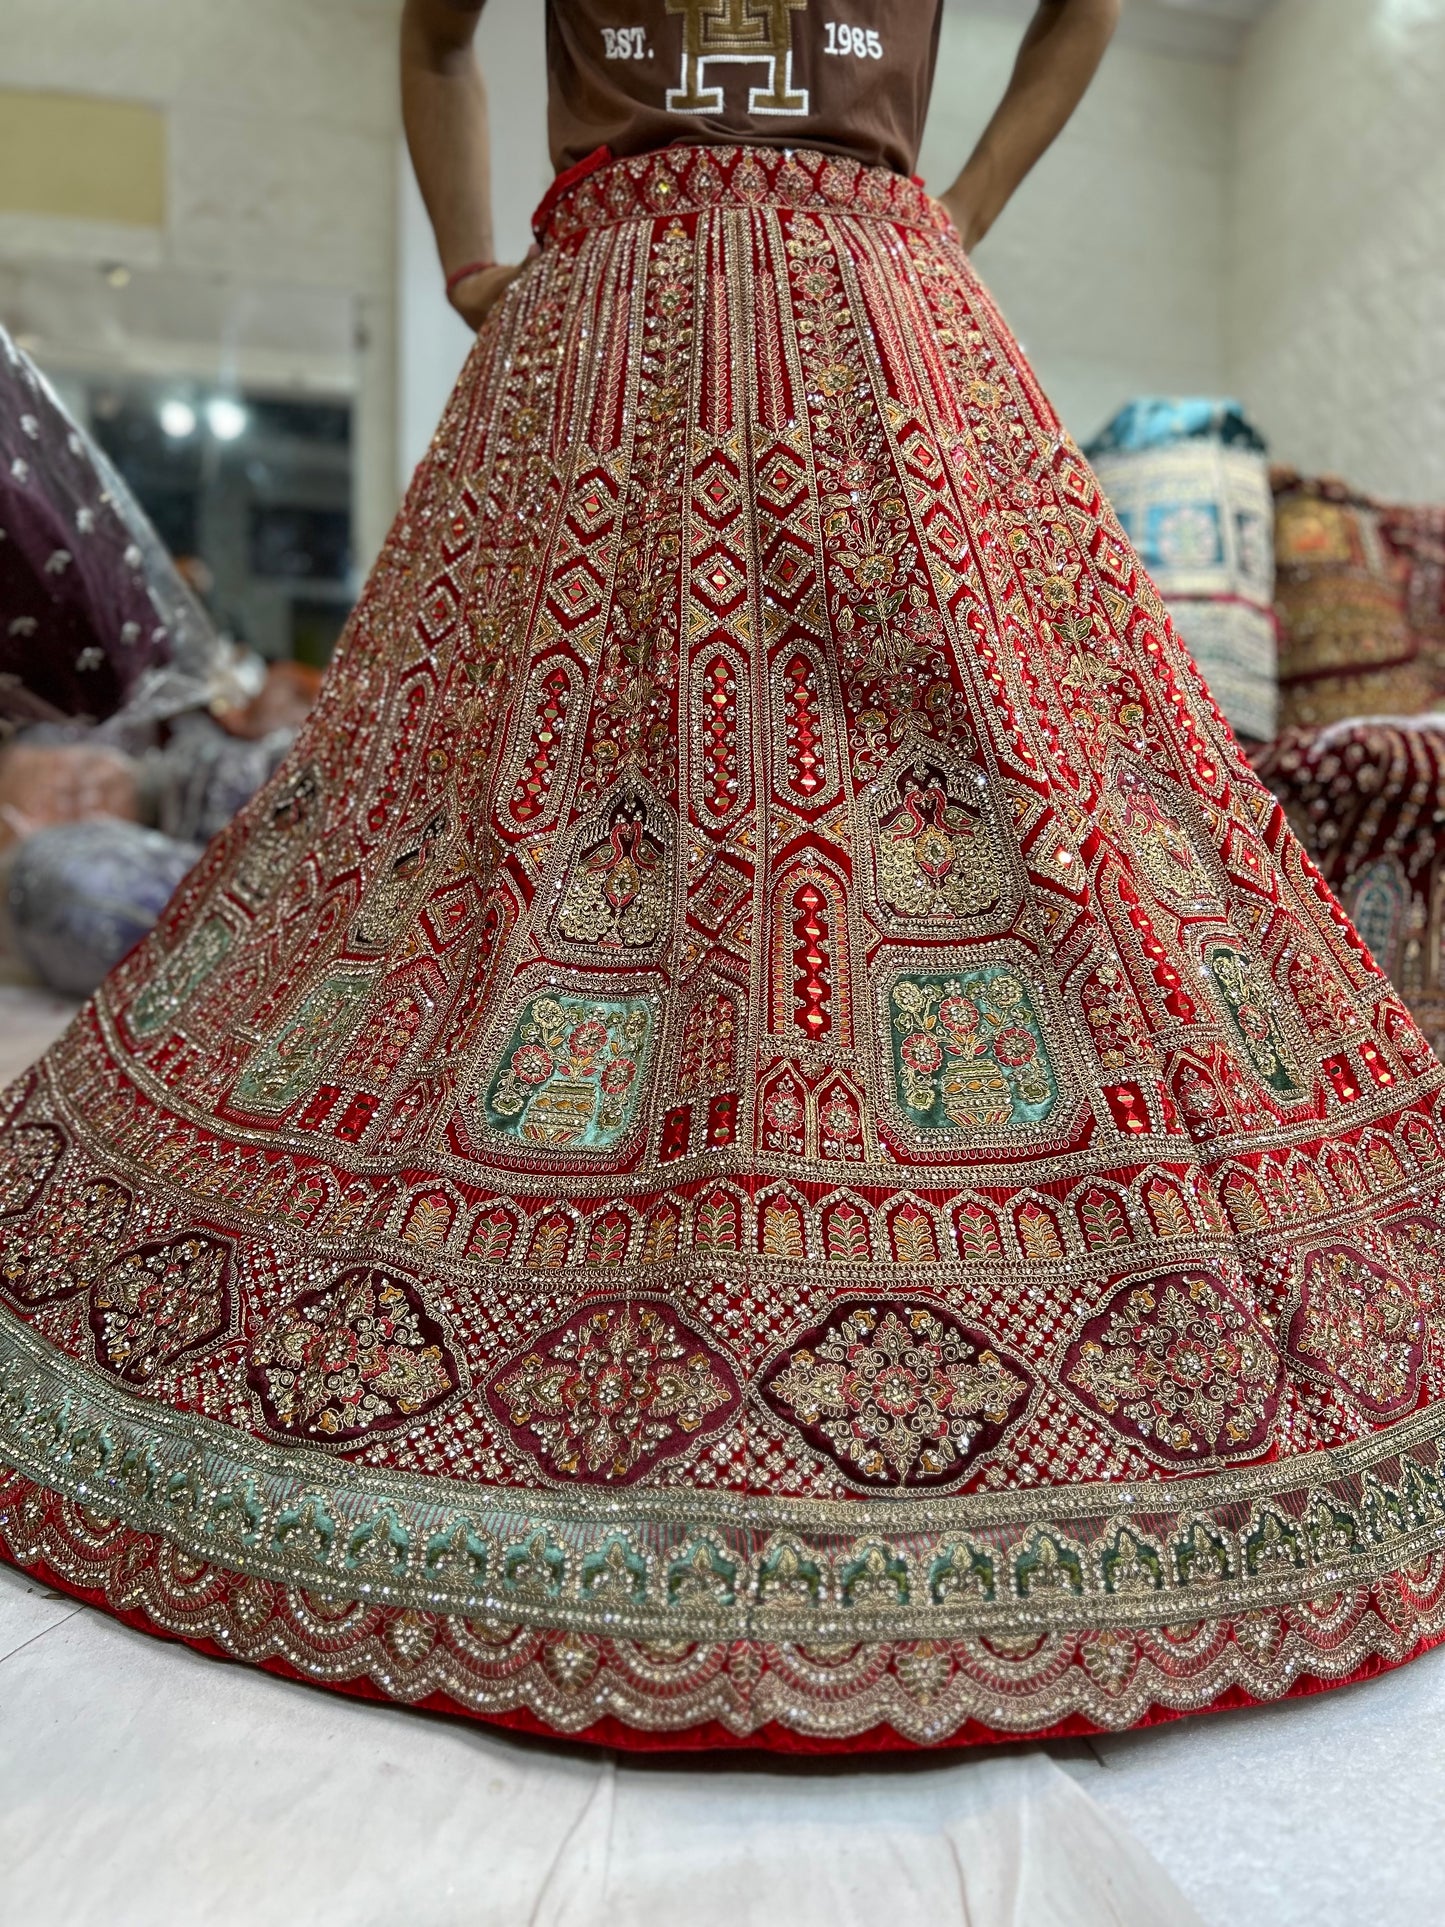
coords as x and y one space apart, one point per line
131 1564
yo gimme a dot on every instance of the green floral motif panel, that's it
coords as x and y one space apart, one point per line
180 977
573 1071
1248 1006
291 1060
968 1051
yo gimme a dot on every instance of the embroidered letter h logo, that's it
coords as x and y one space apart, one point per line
742 33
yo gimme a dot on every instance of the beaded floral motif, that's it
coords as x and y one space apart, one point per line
1179 1364
28 1155
361 1356
898 1395
69 1240
158 1302
614 1390
1363 1326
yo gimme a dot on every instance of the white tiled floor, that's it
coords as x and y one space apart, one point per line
142 1785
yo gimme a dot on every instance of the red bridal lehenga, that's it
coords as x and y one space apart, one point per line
764 1136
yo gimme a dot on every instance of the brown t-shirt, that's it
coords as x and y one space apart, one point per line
847 76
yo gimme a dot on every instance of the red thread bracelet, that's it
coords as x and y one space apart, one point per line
458 275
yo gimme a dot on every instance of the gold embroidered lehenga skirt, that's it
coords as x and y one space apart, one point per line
764 1136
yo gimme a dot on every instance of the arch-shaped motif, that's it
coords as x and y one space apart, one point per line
1305 1183
912 1233
608 1237
847 1238
1168 1210
783 1107
717 1220
1423 1143
551 1240
660 1239
1344 1169
1103 1218
842 1120
977 1230
429 1220
1040 1234
416 857
1244 1202
782 1226
350 1210
1384 1161
389 1032
308 1197
493 1232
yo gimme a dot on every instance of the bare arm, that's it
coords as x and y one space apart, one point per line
1060 55
444 110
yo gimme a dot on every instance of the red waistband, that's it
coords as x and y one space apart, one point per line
602 191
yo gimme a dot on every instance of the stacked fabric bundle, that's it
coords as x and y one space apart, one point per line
1367 800
1346 643
1189 482
1417 537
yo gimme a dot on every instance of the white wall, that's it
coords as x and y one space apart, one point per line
434 341
1337 315
277 262
1110 264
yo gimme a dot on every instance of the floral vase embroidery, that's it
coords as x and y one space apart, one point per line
969 1053
572 1072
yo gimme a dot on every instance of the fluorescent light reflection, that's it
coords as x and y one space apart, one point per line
226 419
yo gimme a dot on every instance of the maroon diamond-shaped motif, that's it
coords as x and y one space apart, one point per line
619 1387
1180 1366
1361 1324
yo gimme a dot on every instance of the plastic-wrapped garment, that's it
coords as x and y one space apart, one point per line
1367 799
94 618
83 894
203 776
1189 482
1160 421
1346 645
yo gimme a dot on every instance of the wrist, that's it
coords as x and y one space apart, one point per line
973 202
465 273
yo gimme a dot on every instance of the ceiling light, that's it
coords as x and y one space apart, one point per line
226 419
178 419
118 275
